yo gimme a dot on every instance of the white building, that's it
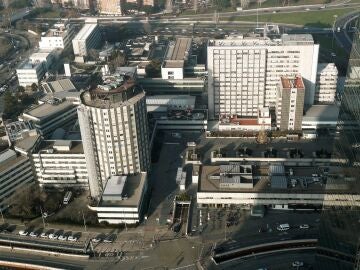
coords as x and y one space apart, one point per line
61 164
50 115
33 69
29 73
326 83
87 38
15 172
239 70
114 130
123 199
57 37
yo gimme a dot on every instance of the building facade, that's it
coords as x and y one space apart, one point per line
326 83
243 73
15 172
290 103
61 164
114 130
88 37
59 36
50 115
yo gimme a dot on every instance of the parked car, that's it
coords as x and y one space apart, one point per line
110 238
72 238
297 264
98 238
23 233
46 234
3 226
62 238
304 226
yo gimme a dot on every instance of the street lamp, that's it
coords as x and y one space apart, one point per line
333 30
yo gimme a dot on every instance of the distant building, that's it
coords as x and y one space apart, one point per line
16 130
290 103
50 115
15 172
243 73
79 4
110 7
114 130
61 164
163 103
59 36
326 83
88 38
123 199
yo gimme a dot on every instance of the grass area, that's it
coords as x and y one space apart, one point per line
278 3
319 18
49 14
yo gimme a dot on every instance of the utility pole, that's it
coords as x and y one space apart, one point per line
2 216
42 216
84 219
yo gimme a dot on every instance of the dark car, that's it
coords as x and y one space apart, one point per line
3 226
110 238
177 227
98 238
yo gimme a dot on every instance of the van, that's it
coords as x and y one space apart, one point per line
283 227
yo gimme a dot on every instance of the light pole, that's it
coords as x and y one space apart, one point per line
84 220
2 216
42 216
333 30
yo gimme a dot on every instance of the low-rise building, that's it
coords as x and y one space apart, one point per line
29 73
61 164
124 199
290 103
326 83
176 56
321 116
235 122
15 172
163 103
181 119
300 190
50 115
58 36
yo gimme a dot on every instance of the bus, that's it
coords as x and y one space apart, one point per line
67 197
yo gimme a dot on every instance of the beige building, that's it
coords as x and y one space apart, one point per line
290 103
326 83
110 7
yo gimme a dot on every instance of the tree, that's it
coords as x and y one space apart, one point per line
117 59
34 87
153 69
221 4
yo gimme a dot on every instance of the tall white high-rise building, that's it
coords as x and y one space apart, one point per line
243 73
326 83
114 131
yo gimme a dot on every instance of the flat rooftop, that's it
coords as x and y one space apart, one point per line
76 146
288 83
59 85
47 110
322 113
285 40
8 164
180 50
262 183
133 189
85 32
173 64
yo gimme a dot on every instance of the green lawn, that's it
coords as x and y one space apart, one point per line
278 3
319 18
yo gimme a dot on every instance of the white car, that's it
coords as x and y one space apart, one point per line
44 235
23 233
297 264
34 234
304 226
72 238
95 240
53 236
62 238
